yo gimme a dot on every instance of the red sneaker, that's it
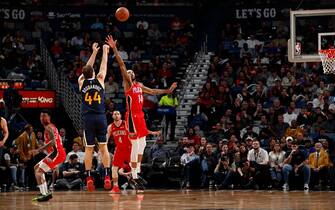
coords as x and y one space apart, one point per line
107 183
90 184
115 190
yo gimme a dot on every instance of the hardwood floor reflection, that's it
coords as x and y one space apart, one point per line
171 199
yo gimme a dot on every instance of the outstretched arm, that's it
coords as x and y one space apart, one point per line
90 61
110 41
103 66
159 91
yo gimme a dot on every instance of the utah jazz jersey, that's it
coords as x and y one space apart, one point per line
93 97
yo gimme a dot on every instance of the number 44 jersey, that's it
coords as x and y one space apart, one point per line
93 97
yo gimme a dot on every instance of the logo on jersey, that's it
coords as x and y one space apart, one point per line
137 90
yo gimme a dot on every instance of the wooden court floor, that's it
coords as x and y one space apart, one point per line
173 199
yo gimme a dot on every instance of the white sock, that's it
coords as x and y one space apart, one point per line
138 168
134 173
42 190
45 186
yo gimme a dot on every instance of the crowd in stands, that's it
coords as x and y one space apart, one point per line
255 109
20 59
259 121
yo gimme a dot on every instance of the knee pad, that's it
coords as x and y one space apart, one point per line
142 144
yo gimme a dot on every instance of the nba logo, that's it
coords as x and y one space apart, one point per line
298 48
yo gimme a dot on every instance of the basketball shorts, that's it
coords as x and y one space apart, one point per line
121 156
52 160
95 128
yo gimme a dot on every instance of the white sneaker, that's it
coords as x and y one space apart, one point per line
285 187
306 187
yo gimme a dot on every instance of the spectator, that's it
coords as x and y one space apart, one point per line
289 116
158 150
79 139
276 161
296 161
71 172
190 162
294 130
142 23
123 53
182 144
259 160
97 25
56 49
77 41
168 103
3 135
76 150
223 174
111 88
5 171
25 143
135 54
280 127
65 141
319 163
15 167
208 163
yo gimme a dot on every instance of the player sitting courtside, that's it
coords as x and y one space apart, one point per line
134 114
56 155
123 146
93 110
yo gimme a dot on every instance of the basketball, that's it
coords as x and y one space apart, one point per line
122 14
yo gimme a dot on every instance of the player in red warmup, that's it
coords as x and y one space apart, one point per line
123 145
56 155
134 115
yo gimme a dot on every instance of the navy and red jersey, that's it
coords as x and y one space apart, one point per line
93 97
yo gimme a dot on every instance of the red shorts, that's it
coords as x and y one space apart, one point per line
121 156
136 124
52 160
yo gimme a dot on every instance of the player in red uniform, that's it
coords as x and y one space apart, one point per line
134 115
56 155
123 145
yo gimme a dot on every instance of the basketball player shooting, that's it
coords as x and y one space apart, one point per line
134 113
93 110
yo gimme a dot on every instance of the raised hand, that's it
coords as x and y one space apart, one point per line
111 42
105 48
95 47
173 87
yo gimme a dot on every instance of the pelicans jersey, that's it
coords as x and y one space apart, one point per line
134 115
56 154
123 144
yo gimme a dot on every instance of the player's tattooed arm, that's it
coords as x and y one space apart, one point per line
112 43
51 143
159 91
